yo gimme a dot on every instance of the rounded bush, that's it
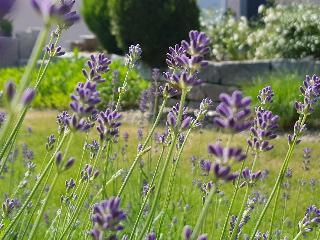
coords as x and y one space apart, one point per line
96 16
155 25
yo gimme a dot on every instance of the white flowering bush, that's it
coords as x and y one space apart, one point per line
280 32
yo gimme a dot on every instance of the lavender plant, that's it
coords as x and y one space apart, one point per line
86 208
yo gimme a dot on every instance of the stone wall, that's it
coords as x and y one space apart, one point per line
227 76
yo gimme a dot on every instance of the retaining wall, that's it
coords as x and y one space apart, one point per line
227 76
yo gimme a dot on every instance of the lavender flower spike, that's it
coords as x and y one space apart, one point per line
310 220
133 56
107 217
233 112
265 95
109 124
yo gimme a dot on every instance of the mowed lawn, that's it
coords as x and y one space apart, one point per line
187 197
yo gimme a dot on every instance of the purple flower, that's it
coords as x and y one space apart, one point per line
87 173
10 90
306 164
50 142
224 173
311 92
205 166
249 177
109 124
62 13
8 206
198 45
107 217
28 96
63 120
125 136
233 112
265 95
186 60
151 236
187 232
70 184
85 99
98 65
310 220
226 155
172 118
133 56
93 148
3 116
264 126
55 51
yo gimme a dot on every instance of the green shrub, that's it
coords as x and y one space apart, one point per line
286 90
5 28
155 25
62 77
96 16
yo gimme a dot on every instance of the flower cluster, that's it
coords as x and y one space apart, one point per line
265 95
87 173
187 233
186 60
98 65
69 163
249 177
173 115
133 56
311 92
204 107
233 112
264 126
310 220
109 124
107 217
61 13
225 155
50 142
52 50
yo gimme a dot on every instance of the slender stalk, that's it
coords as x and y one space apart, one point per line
203 213
143 147
26 226
82 157
34 189
105 171
172 178
278 181
274 211
147 196
25 81
245 200
35 225
298 235
17 127
234 195
166 163
296 210
123 88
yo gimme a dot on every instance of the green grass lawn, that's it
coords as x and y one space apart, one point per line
185 193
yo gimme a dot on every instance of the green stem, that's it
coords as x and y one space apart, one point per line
143 147
166 163
278 181
172 178
296 210
105 171
123 88
35 225
274 211
203 214
147 196
234 195
26 226
298 235
236 226
34 189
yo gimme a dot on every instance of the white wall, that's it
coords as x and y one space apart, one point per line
24 16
